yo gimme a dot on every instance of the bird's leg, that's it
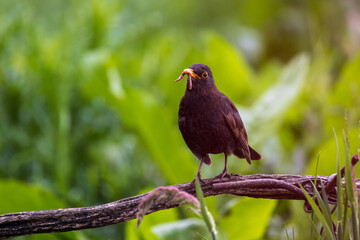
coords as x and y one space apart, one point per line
225 171
198 175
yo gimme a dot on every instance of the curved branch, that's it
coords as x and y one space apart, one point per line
270 186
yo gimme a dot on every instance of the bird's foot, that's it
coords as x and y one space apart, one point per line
200 180
223 175
234 175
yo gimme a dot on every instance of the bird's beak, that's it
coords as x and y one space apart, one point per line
190 73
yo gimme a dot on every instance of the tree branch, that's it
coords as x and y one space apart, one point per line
270 186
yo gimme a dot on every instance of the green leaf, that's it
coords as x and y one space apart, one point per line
190 228
155 127
16 196
340 200
145 231
328 151
287 235
324 205
347 87
230 70
266 114
208 218
248 219
350 190
322 218
315 230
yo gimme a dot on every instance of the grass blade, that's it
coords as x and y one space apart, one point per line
324 206
340 201
350 190
293 232
287 234
325 200
320 215
315 230
315 183
208 218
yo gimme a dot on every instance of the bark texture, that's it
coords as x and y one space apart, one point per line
270 186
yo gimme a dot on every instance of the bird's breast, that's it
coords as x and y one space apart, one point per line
202 124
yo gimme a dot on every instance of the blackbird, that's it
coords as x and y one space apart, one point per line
209 121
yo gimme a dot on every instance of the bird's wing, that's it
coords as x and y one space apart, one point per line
239 122
236 126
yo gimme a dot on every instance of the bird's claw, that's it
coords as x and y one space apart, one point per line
222 175
200 180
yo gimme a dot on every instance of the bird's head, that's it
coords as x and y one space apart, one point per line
198 74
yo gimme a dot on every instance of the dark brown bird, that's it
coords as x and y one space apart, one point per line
209 121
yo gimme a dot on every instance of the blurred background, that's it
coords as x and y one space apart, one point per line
88 104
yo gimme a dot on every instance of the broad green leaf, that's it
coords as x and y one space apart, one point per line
345 95
162 139
248 219
155 126
145 230
231 73
328 161
347 88
266 114
16 196
192 228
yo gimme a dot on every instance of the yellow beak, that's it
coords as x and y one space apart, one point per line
190 73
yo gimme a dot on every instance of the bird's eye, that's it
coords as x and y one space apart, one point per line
205 74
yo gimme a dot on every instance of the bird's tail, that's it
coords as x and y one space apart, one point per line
206 159
254 155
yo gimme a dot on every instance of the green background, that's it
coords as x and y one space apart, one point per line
88 104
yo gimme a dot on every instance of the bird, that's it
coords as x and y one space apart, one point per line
210 122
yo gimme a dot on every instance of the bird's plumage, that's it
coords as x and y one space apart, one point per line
209 121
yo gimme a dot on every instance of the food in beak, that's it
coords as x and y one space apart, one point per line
190 74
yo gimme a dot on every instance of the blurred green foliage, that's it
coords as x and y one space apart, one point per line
88 107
